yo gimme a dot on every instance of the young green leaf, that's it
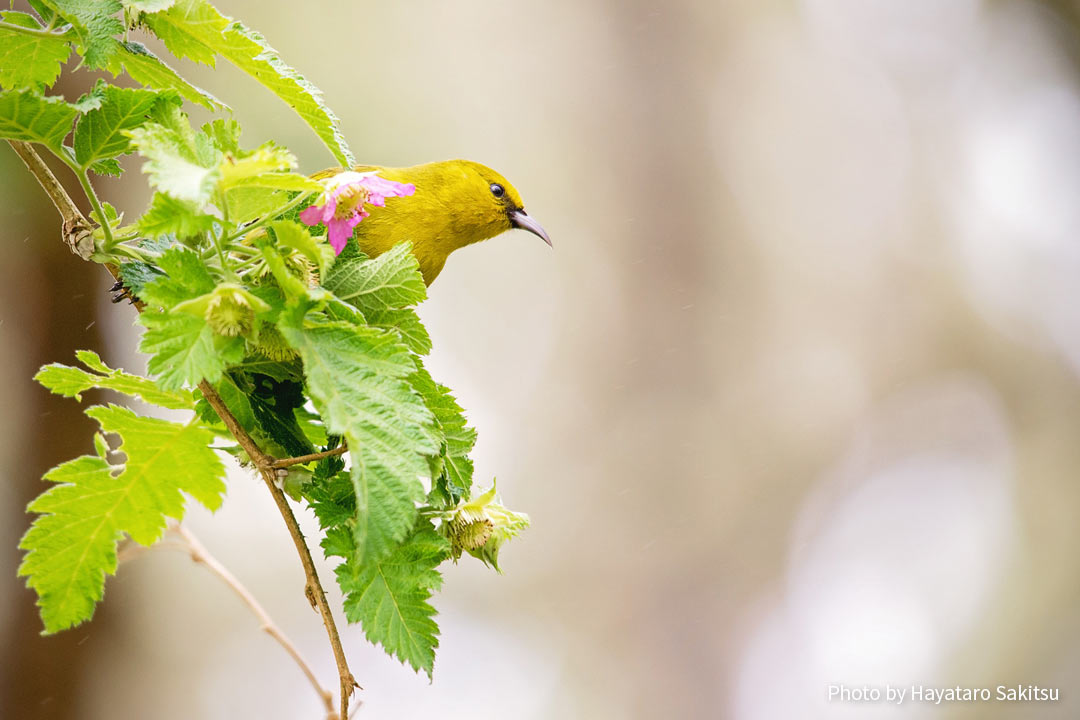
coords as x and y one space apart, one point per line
176 164
29 61
185 277
71 382
167 215
96 23
148 69
101 133
268 158
72 545
33 118
389 598
196 30
185 349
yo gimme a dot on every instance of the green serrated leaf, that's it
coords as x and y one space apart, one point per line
390 281
390 598
173 164
225 135
33 118
148 69
449 415
185 277
356 377
312 427
458 439
71 382
167 215
196 30
91 100
72 545
334 503
185 349
268 158
29 61
96 23
382 288
407 324
101 132
108 166
237 401
137 275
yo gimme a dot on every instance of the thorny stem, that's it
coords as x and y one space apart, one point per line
76 228
201 555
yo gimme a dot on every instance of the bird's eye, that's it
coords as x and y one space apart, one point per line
497 190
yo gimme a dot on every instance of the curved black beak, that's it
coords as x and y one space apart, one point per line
519 219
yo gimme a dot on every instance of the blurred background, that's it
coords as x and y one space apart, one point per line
794 402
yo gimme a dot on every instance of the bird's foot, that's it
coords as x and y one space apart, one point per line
121 292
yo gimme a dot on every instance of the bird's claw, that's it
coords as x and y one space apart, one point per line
121 292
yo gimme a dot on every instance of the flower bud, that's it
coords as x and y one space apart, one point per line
480 525
230 314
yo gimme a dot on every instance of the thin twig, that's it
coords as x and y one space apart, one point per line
191 545
74 224
301 459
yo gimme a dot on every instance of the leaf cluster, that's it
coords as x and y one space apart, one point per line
307 350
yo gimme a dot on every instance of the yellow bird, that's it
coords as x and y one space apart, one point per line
443 206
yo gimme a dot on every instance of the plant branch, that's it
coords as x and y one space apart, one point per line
199 554
76 229
75 222
301 459
314 589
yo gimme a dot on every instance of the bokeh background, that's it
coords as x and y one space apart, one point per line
795 400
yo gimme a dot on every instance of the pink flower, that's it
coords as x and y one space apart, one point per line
341 205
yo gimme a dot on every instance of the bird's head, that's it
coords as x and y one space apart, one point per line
482 202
